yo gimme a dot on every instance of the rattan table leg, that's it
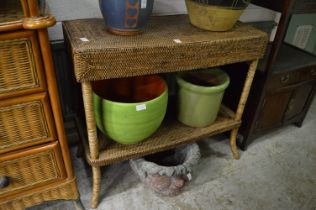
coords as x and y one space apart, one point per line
241 106
246 89
233 145
90 121
92 140
96 172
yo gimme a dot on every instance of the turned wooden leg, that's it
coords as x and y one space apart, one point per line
233 145
96 176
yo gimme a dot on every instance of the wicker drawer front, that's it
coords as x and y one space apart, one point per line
31 168
20 65
25 121
10 10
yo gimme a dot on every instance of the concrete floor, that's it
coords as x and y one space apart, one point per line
278 171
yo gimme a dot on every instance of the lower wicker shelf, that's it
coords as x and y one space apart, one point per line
170 134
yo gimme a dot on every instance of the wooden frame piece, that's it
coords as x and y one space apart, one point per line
54 97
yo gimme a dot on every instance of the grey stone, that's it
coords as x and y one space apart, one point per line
168 179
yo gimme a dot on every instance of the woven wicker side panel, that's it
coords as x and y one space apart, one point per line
17 67
169 44
10 10
29 171
22 123
135 62
66 191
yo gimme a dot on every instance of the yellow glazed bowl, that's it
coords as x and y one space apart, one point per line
212 18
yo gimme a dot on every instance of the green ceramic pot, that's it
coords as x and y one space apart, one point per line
130 110
198 105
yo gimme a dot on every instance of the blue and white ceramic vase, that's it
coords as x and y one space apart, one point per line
126 17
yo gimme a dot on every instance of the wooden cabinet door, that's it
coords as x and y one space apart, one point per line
304 6
272 110
298 100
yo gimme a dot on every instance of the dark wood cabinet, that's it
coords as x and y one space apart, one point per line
284 85
271 115
304 6
285 105
298 101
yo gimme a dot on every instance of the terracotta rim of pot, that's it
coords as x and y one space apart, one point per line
161 94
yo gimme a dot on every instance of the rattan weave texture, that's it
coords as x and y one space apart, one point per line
29 171
67 190
34 154
165 138
169 44
10 10
17 67
23 123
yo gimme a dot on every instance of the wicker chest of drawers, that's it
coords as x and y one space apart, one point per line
34 158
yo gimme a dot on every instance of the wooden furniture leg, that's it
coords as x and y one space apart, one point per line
241 106
92 140
233 145
96 172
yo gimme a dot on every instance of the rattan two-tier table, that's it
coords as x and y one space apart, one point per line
169 44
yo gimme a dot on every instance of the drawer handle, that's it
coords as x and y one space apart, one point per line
4 181
285 78
313 72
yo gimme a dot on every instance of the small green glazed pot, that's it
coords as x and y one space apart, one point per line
198 105
125 122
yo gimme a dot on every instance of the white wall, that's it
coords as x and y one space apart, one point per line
79 9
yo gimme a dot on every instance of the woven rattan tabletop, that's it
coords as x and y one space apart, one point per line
169 44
